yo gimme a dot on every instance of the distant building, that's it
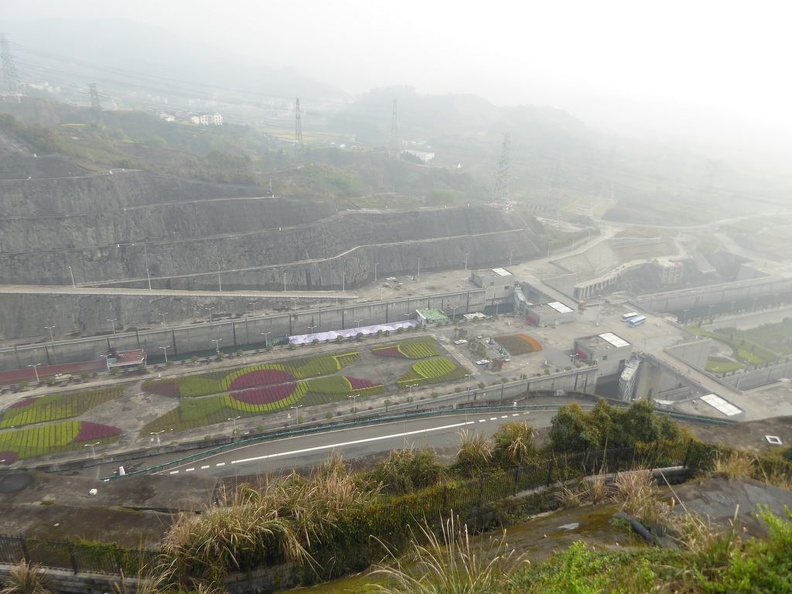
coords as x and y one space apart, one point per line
423 156
431 316
549 314
498 282
206 119
608 350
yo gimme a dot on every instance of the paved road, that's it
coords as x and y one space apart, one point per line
440 432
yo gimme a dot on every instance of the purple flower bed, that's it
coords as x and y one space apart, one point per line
262 377
169 389
8 457
361 384
266 395
23 403
92 431
392 352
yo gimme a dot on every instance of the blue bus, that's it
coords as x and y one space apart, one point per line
636 321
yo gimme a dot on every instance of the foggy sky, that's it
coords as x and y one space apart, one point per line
576 55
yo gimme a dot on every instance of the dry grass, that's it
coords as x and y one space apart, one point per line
450 563
734 465
26 578
475 451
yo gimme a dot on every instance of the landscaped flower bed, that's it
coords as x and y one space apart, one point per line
56 438
56 406
432 371
416 348
198 412
518 344
251 376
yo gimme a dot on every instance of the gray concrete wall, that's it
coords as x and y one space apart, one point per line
235 333
694 353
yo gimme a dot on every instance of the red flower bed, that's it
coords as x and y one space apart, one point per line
92 431
392 352
8 457
266 395
23 403
262 377
360 384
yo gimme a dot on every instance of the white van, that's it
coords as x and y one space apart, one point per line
628 316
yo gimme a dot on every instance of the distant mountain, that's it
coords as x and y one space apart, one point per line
120 54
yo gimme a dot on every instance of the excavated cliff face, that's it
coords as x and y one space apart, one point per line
132 228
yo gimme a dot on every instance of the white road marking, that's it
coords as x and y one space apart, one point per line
349 443
174 472
205 467
504 416
515 414
482 420
493 418
221 464
189 469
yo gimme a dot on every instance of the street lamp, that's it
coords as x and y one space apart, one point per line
312 327
453 317
107 360
357 324
468 376
35 370
157 435
234 419
296 410
163 314
71 273
210 309
354 399
375 271
113 321
253 304
266 342
93 448
165 351
217 342
51 328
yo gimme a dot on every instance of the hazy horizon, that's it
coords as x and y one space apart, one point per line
679 69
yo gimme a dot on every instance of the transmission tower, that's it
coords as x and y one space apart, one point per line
502 185
10 80
298 137
394 135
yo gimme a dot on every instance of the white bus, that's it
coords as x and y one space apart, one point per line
636 321
627 316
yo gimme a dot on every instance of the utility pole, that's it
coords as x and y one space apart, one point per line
298 135
502 183
394 135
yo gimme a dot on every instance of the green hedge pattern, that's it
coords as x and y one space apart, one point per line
55 407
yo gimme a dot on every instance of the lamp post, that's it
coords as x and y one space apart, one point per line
284 281
107 361
418 274
266 342
71 273
157 435
113 321
51 328
217 342
466 258
375 271
210 309
162 314
234 419
165 351
35 370
468 376
296 410
312 328
357 324
93 448
453 309
253 304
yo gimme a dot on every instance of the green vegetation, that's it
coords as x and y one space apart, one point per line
432 371
56 406
205 384
55 438
416 348
773 337
745 351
